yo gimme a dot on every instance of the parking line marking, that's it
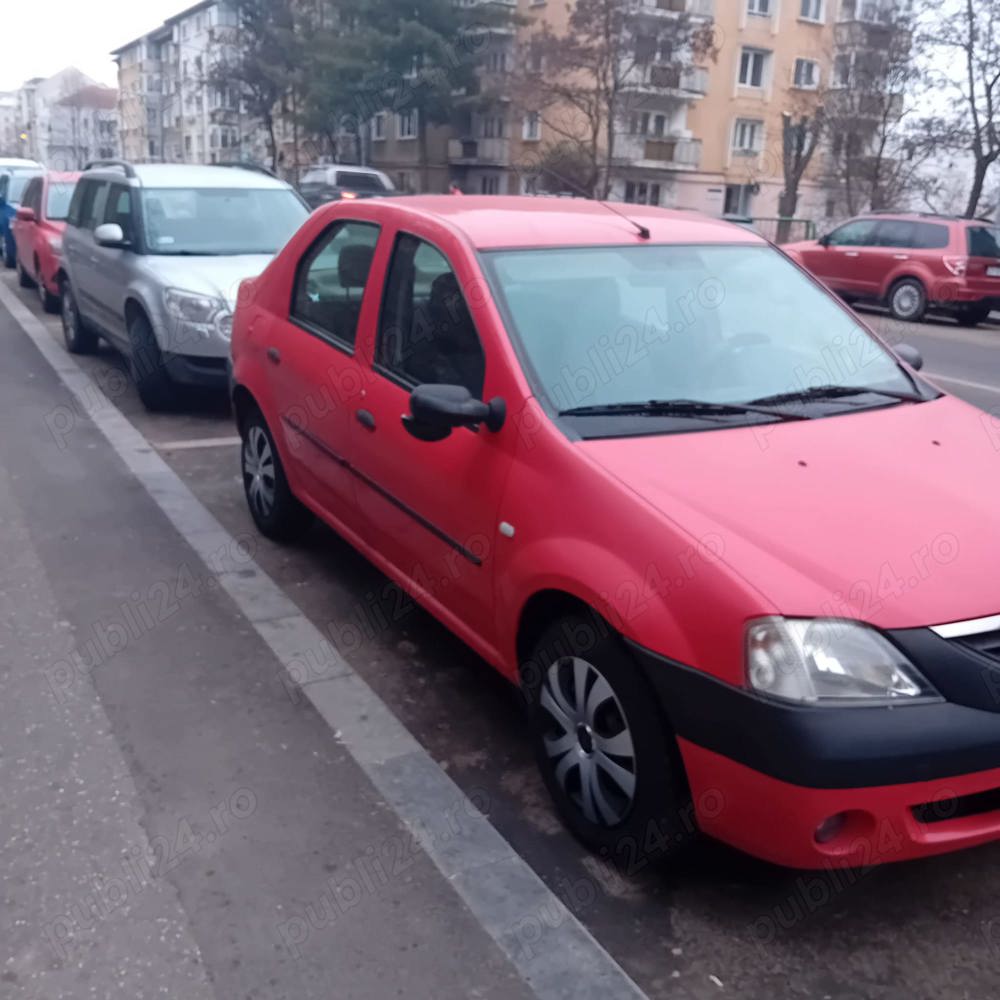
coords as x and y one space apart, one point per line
965 382
219 442
550 949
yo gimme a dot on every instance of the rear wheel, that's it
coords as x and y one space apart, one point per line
973 315
23 278
606 753
908 300
80 339
154 384
273 506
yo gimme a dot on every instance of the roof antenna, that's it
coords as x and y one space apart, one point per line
643 232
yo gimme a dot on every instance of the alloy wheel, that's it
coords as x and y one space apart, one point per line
589 744
906 300
258 471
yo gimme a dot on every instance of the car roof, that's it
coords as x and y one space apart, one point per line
16 162
942 220
490 222
187 175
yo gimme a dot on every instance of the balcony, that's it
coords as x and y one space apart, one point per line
671 8
658 152
479 152
667 80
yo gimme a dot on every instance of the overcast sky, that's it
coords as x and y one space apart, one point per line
41 37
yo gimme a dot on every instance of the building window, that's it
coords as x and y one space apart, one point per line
378 126
753 63
842 70
873 11
532 128
406 125
738 199
747 135
489 184
496 61
761 7
641 193
806 74
811 10
491 127
536 60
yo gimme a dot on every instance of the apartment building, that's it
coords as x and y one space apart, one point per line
170 108
9 144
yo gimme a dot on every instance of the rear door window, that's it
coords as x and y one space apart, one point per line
119 209
89 204
984 241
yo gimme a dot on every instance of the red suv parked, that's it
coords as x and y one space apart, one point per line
741 560
38 231
912 263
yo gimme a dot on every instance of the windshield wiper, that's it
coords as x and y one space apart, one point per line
678 408
820 392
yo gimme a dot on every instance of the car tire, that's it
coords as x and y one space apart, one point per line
908 300
9 253
50 303
156 388
606 753
973 315
80 339
275 510
23 278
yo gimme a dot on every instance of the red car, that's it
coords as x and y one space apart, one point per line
38 231
911 263
741 560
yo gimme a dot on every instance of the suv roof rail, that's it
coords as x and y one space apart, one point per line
122 165
257 168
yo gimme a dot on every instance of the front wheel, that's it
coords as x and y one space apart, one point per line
152 381
908 300
273 506
80 339
606 753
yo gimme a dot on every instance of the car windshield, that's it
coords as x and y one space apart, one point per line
984 241
18 182
57 203
600 327
211 221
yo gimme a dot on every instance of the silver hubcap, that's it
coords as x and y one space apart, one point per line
588 741
906 300
258 471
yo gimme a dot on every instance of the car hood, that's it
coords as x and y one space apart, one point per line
216 276
890 516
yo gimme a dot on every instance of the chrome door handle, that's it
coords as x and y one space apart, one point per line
901 256
852 253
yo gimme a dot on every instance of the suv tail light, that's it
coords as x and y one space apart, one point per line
957 265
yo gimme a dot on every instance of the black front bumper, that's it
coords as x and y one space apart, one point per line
204 373
848 747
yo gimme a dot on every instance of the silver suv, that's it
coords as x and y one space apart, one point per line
153 257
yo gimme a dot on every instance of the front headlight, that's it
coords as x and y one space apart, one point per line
200 315
826 661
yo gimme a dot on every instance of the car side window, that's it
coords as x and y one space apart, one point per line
331 280
32 197
89 204
860 233
119 209
426 332
930 236
895 233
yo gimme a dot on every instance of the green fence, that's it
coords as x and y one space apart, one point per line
786 230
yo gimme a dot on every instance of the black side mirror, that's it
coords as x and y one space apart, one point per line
435 410
909 354
824 240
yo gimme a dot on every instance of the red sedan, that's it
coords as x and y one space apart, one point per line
38 230
739 556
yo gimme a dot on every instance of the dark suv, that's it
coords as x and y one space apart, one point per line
910 262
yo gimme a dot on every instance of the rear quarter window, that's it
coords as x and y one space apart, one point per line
930 236
984 241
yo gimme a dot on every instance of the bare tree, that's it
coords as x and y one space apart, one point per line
800 137
969 36
581 82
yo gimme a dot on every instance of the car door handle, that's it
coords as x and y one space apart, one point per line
366 418
274 355
901 256
852 253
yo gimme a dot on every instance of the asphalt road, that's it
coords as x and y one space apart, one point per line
182 741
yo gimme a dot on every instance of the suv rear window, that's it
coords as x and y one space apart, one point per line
984 241
359 182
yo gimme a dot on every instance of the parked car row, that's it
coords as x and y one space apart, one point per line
581 438
913 263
